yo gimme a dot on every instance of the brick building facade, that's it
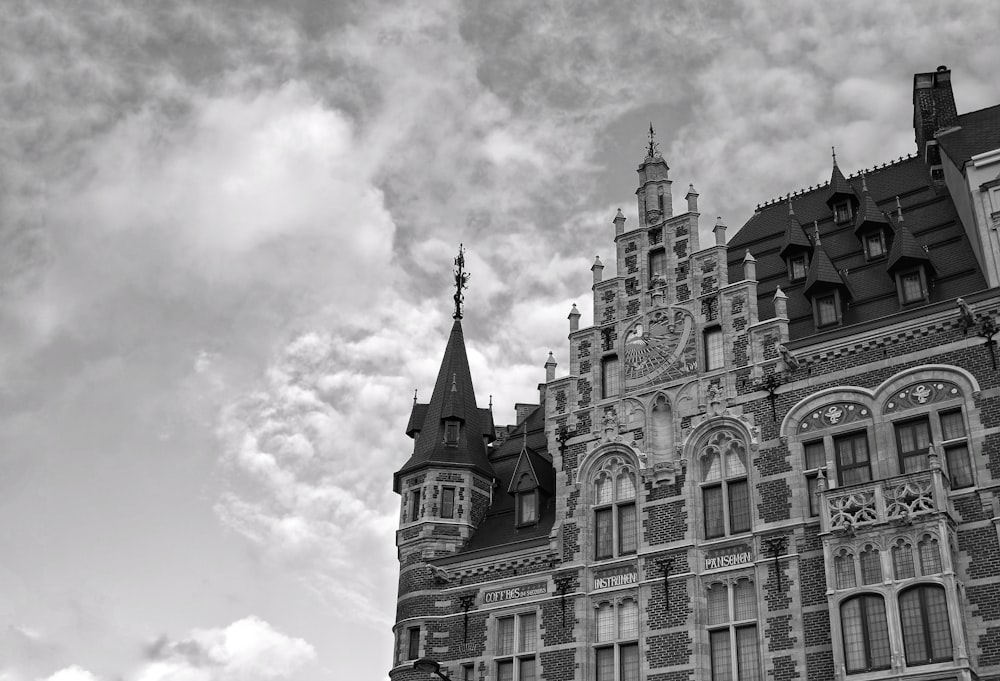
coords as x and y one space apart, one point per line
772 458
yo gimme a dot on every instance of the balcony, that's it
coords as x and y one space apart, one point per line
903 499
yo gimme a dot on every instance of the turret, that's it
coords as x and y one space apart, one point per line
653 194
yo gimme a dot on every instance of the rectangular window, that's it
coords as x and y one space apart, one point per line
468 672
913 439
603 533
910 287
451 432
797 268
657 264
713 349
959 466
627 534
413 645
842 212
826 310
874 246
517 637
414 505
613 624
815 459
734 648
853 465
739 506
527 508
448 502
610 377
715 525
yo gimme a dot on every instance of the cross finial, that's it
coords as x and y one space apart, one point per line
461 281
833 150
653 150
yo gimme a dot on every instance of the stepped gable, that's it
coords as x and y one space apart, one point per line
453 398
930 216
498 529
979 132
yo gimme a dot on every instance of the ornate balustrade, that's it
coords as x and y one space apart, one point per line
901 499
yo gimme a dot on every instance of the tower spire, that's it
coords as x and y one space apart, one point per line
461 281
653 150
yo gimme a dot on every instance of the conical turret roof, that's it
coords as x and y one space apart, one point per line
822 272
868 213
839 186
453 399
905 249
795 237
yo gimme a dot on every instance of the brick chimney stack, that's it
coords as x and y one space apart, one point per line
933 109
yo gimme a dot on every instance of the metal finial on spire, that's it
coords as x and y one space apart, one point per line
899 209
653 150
414 396
454 383
461 281
816 232
864 182
788 198
833 150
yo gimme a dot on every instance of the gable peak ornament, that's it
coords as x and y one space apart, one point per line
461 281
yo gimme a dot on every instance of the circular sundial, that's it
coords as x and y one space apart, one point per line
657 348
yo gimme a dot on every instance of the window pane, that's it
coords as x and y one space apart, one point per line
852 458
959 466
528 634
952 425
527 669
413 647
871 567
505 636
812 488
602 489
657 263
910 284
414 505
739 506
627 535
930 557
610 380
713 350
914 438
605 622
745 600
902 561
747 653
853 635
721 659
715 525
505 671
629 654
735 465
827 308
815 454
798 268
711 467
844 565
878 632
468 673
603 533
626 486
718 604
939 630
448 502
628 624
874 242
605 664
528 508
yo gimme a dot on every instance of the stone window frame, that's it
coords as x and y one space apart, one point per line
866 240
725 481
732 624
445 489
921 272
613 465
517 655
802 271
617 640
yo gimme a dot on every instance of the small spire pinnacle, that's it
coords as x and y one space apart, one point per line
454 383
653 150
864 182
788 197
461 281
816 232
414 396
899 209
833 150
491 404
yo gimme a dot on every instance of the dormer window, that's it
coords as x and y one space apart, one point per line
842 212
874 245
451 432
826 309
911 286
527 508
798 266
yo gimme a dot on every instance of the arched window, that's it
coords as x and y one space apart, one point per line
615 526
902 560
844 567
923 614
871 566
930 556
866 633
725 492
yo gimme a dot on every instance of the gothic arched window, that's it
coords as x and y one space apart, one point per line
615 524
725 491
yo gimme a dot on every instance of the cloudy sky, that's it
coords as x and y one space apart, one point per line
227 231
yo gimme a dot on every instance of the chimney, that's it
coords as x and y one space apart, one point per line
574 319
933 109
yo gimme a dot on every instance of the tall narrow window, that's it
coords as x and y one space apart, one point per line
414 504
517 641
866 634
911 288
913 439
610 377
616 655
826 310
815 459
451 429
725 492
657 265
527 508
732 633
853 464
468 672
797 267
874 245
413 643
714 355
956 449
902 560
930 556
844 566
447 502
871 566
923 615
615 523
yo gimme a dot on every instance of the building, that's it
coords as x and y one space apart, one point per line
772 458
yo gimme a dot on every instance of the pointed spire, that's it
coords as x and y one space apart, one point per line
795 238
653 149
899 210
905 249
816 241
839 187
822 273
461 282
414 396
869 216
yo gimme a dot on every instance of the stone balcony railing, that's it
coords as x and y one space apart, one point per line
902 499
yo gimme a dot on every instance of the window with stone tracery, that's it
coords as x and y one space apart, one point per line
614 506
725 491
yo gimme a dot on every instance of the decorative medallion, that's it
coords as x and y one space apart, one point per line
922 394
834 414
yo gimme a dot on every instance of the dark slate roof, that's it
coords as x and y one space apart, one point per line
795 237
453 397
417 416
905 248
979 132
868 213
498 531
822 274
930 216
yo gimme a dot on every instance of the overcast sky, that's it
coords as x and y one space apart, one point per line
227 234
